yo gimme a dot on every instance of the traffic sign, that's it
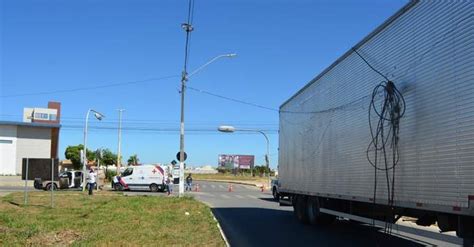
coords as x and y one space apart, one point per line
178 156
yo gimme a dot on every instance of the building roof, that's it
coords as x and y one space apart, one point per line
42 125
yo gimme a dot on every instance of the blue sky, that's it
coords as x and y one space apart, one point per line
281 45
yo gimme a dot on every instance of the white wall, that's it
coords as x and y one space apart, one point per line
8 134
32 142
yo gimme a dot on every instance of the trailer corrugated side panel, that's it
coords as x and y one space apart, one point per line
428 52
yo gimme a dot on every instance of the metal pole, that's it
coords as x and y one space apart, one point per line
267 161
98 167
181 137
84 160
26 182
52 183
119 152
267 158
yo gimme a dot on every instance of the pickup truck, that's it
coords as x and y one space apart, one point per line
67 179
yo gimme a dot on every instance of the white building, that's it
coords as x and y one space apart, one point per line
20 140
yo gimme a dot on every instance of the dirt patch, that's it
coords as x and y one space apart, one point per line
4 230
61 238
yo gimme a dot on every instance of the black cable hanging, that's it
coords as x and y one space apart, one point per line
385 136
388 105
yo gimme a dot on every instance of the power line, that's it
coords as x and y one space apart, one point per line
90 87
275 109
232 99
149 129
151 121
368 64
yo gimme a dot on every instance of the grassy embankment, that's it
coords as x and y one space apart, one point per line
106 219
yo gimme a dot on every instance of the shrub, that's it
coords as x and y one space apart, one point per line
109 175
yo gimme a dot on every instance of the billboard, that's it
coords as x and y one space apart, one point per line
232 161
39 168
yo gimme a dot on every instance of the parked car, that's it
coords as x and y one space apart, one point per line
145 177
67 179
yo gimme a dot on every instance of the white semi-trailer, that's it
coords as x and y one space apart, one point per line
387 130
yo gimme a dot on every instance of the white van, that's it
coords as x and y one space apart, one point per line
146 177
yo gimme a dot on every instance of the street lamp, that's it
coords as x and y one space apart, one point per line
99 117
231 129
184 78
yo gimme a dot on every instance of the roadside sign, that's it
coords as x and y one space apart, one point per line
174 162
178 156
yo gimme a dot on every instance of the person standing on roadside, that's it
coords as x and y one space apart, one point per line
189 183
92 181
169 186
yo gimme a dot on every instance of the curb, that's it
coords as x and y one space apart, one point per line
220 230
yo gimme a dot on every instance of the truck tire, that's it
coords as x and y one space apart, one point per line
118 187
154 188
300 209
48 187
315 217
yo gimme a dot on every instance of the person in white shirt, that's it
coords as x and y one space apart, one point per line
91 182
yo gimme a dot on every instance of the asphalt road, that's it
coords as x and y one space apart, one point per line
4 190
250 217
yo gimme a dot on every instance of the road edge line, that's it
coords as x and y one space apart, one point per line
220 230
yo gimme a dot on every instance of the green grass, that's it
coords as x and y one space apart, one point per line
106 219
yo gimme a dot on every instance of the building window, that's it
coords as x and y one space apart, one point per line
41 116
6 141
52 117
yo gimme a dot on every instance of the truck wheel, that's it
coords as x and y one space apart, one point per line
118 187
313 210
315 217
154 188
300 209
275 194
48 187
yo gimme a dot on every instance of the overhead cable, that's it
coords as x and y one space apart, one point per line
90 87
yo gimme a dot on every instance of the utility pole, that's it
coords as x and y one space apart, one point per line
119 152
188 28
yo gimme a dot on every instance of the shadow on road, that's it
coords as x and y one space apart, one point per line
271 227
268 199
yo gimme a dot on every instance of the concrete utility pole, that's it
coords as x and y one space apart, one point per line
119 152
188 28
181 137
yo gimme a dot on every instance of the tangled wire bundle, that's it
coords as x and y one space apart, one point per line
388 105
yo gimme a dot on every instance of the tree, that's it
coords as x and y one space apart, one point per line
260 170
108 158
133 160
73 153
